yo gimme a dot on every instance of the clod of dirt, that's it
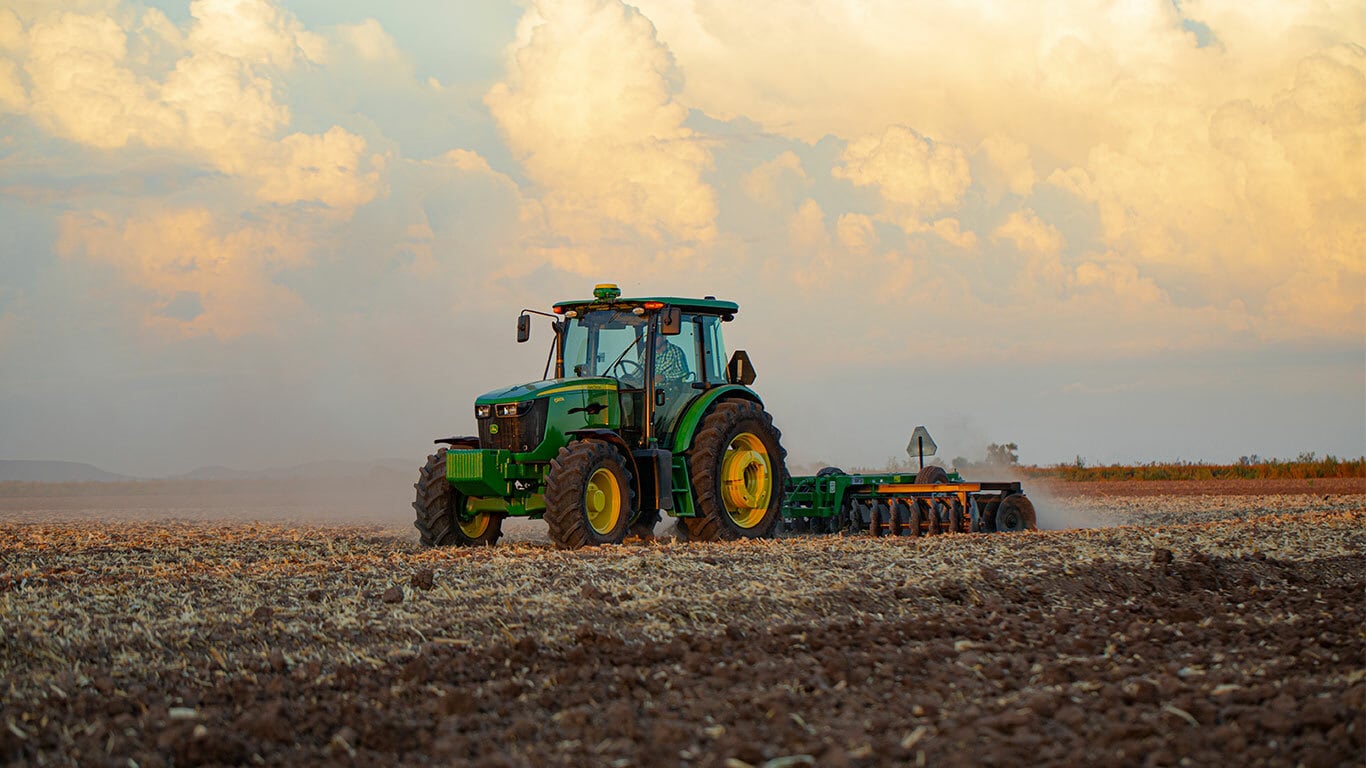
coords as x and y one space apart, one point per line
423 579
314 595
593 592
263 613
392 595
1162 556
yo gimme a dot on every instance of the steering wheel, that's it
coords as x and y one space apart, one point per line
629 369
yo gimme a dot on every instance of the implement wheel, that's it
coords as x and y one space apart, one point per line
738 471
439 507
588 495
931 474
1016 513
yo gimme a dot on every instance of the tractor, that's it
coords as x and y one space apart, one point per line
636 415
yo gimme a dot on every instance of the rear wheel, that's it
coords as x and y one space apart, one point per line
443 519
738 473
1016 513
588 495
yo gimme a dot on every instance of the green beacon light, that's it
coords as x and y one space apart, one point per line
606 291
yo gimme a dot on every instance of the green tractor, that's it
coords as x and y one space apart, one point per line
637 415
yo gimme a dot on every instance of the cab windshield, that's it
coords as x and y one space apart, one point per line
615 343
604 343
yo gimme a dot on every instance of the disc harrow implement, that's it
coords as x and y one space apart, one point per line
897 505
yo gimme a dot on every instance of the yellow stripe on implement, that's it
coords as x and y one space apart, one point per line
930 488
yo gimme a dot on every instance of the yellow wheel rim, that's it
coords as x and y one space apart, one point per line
476 526
746 480
602 501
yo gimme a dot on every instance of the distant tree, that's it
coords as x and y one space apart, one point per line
1003 455
961 463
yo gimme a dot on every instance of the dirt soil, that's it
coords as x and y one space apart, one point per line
1215 629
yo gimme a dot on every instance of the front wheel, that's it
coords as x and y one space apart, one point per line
588 495
443 517
738 471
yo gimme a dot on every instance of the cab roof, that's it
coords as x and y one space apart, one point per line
708 306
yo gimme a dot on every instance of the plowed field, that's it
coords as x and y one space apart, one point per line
1218 628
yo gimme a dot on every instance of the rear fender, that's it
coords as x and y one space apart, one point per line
686 428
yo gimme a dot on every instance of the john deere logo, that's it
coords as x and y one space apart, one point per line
493 429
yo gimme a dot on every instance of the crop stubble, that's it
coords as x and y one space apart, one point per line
1238 638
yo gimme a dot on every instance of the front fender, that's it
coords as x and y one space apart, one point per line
605 435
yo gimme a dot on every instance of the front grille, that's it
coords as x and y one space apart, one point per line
519 434
465 465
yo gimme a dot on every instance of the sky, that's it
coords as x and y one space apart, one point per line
264 232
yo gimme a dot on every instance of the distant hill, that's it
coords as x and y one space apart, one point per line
24 471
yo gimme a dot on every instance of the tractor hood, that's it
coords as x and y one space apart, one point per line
538 389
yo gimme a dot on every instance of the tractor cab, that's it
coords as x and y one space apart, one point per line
662 352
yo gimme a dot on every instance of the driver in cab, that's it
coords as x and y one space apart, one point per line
670 363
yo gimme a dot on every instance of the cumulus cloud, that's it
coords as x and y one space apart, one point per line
13 96
371 42
1224 167
83 90
1029 233
1011 167
201 277
915 175
95 80
777 184
587 107
856 233
326 168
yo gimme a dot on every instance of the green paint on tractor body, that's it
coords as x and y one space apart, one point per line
600 367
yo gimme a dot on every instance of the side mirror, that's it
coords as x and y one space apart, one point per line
739 370
671 321
523 328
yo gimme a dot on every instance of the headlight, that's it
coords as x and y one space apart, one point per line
483 411
514 409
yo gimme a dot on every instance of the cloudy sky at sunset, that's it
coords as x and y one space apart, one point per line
256 232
